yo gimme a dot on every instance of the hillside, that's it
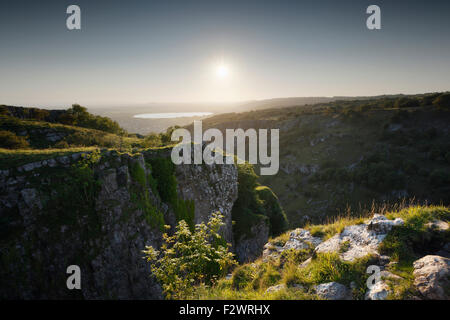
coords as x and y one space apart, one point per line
351 153
409 247
76 188
76 195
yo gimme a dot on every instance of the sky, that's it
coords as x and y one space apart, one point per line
136 52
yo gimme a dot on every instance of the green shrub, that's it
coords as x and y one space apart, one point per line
255 204
79 116
380 176
443 101
407 242
242 277
140 197
10 140
267 275
190 258
273 210
163 171
328 267
138 174
39 114
406 103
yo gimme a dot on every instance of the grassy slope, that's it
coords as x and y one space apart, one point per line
318 136
404 244
36 132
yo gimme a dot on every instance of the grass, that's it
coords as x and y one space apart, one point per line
281 239
407 242
223 291
326 231
411 241
251 281
404 244
14 158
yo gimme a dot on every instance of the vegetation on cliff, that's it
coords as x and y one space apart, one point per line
255 203
189 258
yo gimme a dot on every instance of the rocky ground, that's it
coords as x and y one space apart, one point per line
357 262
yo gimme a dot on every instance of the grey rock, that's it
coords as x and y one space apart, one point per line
379 291
248 249
31 198
362 239
298 239
438 225
110 257
275 288
432 277
332 291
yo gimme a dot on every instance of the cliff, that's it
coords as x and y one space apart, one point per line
98 211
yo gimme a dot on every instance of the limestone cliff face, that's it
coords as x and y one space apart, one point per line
250 248
52 217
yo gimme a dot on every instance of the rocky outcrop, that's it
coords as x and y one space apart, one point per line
299 239
379 291
214 188
332 291
249 248
276 288
358 241
432 277
45 228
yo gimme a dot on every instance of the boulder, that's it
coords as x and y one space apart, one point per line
332 291
382 225
437 225
432 277
299 239
249 247
379 291
276 288
360 240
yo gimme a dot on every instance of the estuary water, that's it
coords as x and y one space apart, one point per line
171 115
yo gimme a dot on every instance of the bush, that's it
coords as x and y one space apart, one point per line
273 210
443 101
267 276
39 114
10 140
439 177
380 176
242 277
413 239
163 172
406 103
79 116
190 258
255 204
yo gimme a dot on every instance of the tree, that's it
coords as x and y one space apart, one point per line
443 101
190 258
10 140
39 114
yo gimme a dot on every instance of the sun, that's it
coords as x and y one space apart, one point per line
222 71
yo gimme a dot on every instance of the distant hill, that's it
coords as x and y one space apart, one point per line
123 114
352 152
